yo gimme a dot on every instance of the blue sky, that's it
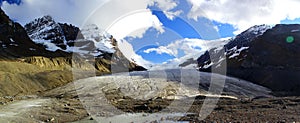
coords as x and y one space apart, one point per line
153 56
182 27
179 27
294 21
11 1
192 19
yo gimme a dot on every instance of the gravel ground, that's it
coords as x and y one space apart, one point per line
135 99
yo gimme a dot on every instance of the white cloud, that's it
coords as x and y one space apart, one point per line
129 53
216 28
188 46
191 50
135 25
118 17
246 13
121 19
166 6
69 11
160 50
172 15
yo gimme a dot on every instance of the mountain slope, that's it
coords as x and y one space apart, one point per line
269 58
14 42
56 36
28 67
90 43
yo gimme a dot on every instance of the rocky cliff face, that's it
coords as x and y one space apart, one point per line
269 57
15 43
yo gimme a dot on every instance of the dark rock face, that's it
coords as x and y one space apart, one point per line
15 43
46 28
71 32
272 49
243 39
271 59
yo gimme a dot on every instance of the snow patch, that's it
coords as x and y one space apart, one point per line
234 55
208 65
50 46
14 45
259 29
191 66
295 30
32 49
99 37
12 40
237 51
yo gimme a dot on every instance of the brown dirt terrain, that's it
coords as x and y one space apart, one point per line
20 78
68 108
102 102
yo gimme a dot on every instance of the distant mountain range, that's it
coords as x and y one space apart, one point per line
57 36
265 55
268 56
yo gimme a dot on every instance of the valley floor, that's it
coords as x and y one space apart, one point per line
100 99
228 110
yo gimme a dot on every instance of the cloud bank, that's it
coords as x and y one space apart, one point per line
69 11
130 18
246 13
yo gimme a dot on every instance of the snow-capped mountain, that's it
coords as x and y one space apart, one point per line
15 43
90 41
248 35
232 49
101 39
265 55
45 30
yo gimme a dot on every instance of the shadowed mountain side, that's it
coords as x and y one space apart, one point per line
15 43
269 58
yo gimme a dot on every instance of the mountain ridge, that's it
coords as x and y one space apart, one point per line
267 59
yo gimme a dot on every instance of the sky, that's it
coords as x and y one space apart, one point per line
160 31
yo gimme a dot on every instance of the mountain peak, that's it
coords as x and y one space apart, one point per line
57 36
92 31
243 39
45 29
45 20
258 29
